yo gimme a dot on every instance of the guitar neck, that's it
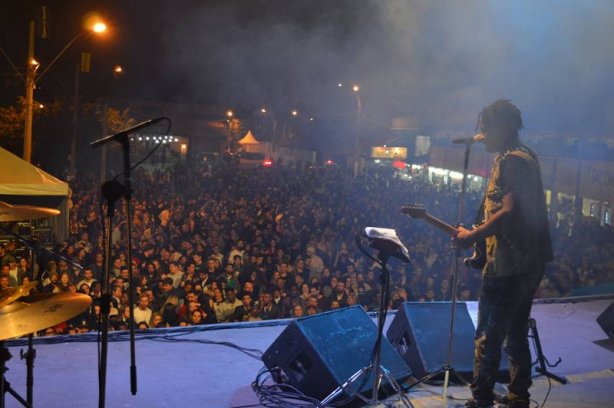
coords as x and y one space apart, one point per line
444 226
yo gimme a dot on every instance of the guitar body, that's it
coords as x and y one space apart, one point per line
478 259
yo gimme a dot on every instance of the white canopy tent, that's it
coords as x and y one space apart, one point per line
249 143
23 183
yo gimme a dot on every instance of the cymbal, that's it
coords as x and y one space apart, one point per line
12 294
10 212
37 312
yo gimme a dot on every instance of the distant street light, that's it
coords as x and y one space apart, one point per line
229 115
78 95
294 112
356 152
31 80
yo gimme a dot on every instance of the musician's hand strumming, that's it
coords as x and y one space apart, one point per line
464 238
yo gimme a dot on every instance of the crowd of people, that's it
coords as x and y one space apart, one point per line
213 243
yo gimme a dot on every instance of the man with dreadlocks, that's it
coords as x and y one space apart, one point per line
518 247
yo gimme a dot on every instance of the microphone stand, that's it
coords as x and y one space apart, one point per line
105 297
447 369
460 216
113 190
454 246
127 198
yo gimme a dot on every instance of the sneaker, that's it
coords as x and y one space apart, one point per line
471 403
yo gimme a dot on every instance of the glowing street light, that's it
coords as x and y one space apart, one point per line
263 110
356 90
99 27
118 69
229 115
294 112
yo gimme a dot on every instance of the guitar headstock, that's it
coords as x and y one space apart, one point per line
414 210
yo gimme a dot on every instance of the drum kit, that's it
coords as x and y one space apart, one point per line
23 313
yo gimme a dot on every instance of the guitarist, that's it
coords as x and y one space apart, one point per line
518 246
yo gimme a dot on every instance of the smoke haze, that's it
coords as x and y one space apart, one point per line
435 62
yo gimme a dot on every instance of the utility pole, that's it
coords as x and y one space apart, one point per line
75 116
30 83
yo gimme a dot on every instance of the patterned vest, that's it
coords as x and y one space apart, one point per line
521 245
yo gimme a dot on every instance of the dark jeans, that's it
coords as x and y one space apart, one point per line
503 315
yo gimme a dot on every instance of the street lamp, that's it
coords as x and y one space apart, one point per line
268 123
31 80
356 89
117 71
229 115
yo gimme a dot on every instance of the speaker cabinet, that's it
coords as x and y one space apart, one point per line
321 352
606 321
420 334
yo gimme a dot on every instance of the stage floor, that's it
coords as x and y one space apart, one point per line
189 368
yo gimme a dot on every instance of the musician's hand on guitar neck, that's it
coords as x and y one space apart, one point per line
465 238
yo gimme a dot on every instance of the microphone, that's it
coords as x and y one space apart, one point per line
469 140
118 136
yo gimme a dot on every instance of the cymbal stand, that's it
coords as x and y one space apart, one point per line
30 354
5 387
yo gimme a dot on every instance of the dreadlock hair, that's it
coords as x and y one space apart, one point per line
503 112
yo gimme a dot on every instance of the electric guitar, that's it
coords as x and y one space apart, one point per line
477 260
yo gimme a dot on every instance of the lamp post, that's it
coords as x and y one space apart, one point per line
269 129
229 115
117 71
356 89
31 80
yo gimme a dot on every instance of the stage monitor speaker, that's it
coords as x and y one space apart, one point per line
606 321
321 352
420 332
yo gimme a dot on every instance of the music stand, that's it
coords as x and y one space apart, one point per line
385 241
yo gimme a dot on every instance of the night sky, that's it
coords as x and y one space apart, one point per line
437 62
